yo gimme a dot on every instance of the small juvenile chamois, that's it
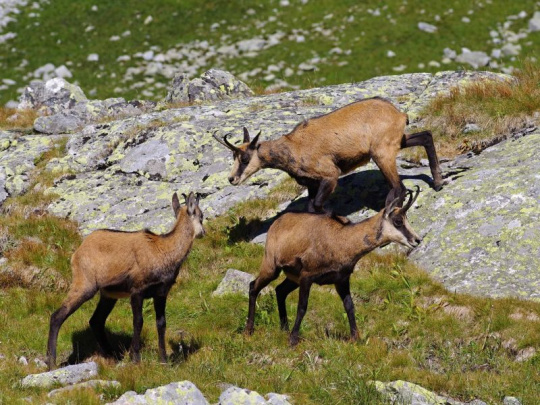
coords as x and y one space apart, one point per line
319 150
311 248
137 265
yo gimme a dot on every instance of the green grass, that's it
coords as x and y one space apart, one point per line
59 36
411 328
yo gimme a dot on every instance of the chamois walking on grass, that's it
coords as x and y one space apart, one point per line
311 248
135 265
319 150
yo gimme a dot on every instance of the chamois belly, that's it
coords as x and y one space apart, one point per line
350 164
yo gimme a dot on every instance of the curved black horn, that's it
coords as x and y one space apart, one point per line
412 199
225 142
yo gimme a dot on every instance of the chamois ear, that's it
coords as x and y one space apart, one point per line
253 144
191 202
390 206
246 135
175 204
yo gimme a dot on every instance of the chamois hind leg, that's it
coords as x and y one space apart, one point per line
267 274
312 193
388 167
77 296
344 290
282 291
161 324
136 307
97 323
305 286
425 139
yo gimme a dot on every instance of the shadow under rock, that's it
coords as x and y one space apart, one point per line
84 345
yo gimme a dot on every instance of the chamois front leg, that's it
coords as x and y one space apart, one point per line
136 307
344 290
305 286
161 324
282 291
326 187
425 139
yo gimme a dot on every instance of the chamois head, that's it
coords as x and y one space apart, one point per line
192 210
395 226
246 159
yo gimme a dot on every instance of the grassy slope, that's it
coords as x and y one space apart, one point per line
411 329
60 37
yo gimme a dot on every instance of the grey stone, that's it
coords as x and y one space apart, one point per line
471 127
150 157
240 396
236 282
84 385
511 401
178 90
62 376
22 360
429 28
510 49
534 22
180 393
60 123
54 95
277 399
476 59
403 392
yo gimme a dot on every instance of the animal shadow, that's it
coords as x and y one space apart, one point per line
182 348
84 345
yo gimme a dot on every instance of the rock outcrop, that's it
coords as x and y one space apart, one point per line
123 173
62 376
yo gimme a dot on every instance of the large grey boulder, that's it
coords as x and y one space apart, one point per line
214 84
481 231
180 393
406 393
51 97
62 376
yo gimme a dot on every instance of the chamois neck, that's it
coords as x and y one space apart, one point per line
180 238
366 235
275 154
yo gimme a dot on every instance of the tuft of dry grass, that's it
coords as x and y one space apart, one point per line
17 119
498 108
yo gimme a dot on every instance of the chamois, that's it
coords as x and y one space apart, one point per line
319 150
137 265
311 248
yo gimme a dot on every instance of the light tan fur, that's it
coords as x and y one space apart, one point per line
321 149
135 265
313 248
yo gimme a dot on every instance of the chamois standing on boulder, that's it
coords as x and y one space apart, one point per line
137 265
319 150
311 248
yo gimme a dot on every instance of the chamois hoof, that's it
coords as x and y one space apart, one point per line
293 340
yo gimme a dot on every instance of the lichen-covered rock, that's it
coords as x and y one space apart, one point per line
481 231
511 401
180 393
406 393
84 385
213 85
241 396
51 97
236 282
18 155
62 376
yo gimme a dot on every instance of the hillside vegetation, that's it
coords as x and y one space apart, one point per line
132 48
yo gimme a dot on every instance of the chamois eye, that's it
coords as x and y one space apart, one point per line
398 222
244 159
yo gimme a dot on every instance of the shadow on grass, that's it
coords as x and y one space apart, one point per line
84 345
183 348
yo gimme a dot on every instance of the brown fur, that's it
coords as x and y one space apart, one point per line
320 150
137 265
311 248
